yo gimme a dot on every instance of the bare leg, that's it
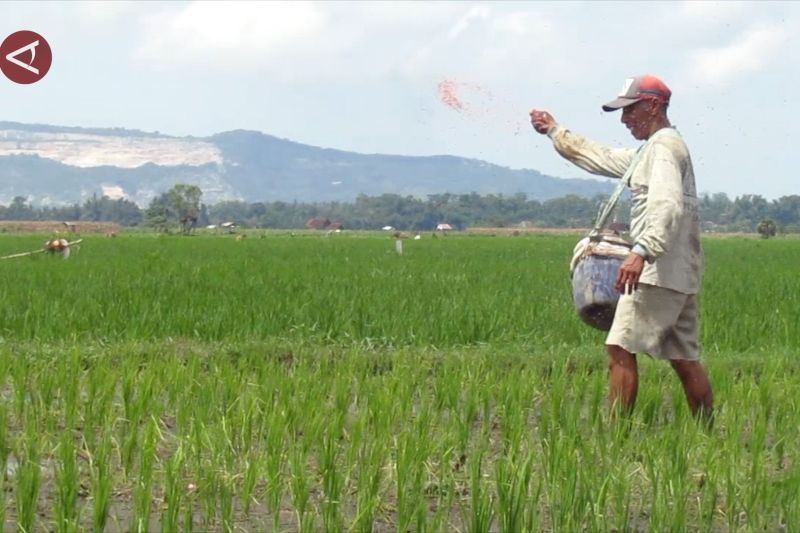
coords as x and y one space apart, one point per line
623 378
697 388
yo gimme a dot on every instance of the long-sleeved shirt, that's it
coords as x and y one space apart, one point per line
665 221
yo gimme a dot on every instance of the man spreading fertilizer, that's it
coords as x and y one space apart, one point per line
660 277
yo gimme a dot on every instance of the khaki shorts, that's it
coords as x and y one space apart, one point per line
656 321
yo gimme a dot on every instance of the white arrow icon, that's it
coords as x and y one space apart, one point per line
13 57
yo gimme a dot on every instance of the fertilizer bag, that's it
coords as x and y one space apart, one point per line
594 267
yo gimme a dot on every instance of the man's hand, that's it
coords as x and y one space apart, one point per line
542 121
629 272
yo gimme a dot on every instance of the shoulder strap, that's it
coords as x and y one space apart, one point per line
625 181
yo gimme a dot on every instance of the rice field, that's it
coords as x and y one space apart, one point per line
310 383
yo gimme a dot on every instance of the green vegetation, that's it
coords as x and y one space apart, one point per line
326 383
170 209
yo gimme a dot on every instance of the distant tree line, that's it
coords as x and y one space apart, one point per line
95 209
181 208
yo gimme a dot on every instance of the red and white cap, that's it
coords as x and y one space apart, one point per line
640 88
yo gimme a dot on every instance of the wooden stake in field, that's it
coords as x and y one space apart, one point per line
61 246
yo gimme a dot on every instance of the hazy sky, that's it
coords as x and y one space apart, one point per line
364 76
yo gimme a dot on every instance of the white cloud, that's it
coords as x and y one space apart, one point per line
519 43
104 13
749 53
313 41
291 41
232 34
707 12
490 44
476 12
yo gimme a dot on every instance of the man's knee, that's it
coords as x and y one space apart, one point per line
686 367
619 356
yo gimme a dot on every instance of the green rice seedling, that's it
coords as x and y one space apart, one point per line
731 488
252 466
355 433
481 513
28 482
101 482
789 505
100 389
597 397
226 493
208 492
512 481
197 440
620 498
224 441
70 383
443 485
246 422
708 501
300 485
467 414
370 467
5 440
532 520
67 480
369 436
184 388
512 412
412 449
678 473
443 489
5 450
42 394
595 481
3 499
174 490
130 442
144 481
332 478
189 506
564 484
19 377
756 490
129 433
274 459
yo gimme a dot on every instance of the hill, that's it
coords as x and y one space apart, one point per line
53 165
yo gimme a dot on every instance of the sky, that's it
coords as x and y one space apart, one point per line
364 76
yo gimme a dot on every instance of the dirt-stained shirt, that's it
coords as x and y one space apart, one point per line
665 220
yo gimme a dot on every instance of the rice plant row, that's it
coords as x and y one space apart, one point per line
282 437
441 292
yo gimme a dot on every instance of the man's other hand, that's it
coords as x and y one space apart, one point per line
629 272
542 121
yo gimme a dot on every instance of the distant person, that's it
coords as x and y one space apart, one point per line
660 278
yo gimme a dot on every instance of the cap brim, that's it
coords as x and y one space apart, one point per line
619 103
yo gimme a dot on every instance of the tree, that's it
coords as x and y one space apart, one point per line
104 209
786 212
157 214
748 209
184 199
19 209
716 208
766 228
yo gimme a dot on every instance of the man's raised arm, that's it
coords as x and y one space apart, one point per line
589 155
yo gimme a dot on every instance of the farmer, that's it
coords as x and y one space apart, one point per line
660 278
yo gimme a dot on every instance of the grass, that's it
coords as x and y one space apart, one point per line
311 383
